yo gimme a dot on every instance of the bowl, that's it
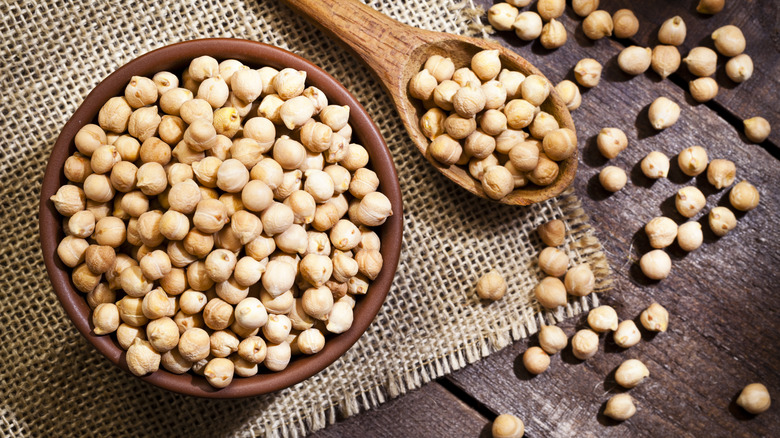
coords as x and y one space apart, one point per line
174 58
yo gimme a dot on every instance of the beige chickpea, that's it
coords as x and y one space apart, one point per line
171 129
559 144
113 117
296 112
131 311
163 334
364 182
479 144
251 313
220 264
721 221
527 25
247 84
656 264
223 343
105 318
486 64
197 277
552 233
625 23
344 267
199 243
583 8
690 236
693 160
550 292
270 108
545 172
497 182
598 24
110 231
457 127
663 113
739 68
631 373
524 156
277 218
174 282
336 116
210 216
172 100
369 262
587 72
611 141
227 122
627 335
279 277
148 228
252 349
422 85
104 158
277 356
744 196
155 265
620 407
689 201
519 113
703 89
143 123
495 94
77 168
491 286
184 197
478 167
311 341
655 318
316 269
292 240
535 89
174 225
710 7
374 209
580 280
151 179
431 123
218 314
142 358
248 271
603 319
613 178
672 31
126 334
754 398
552 339
511 81
757 129
553 35
729 40
98 188
317 98
655 165
69 200
230 291
82 224
89 138
174 362
701 61
440 67
178 172
123 176
203 67
635 60
194 344
185 322
507 425
661 231
277 328
543 124
289 83
469 100
553 262
99 258
279 305
71 250
665 60
585 344
535 360
340 317
214 90
570 94
721 173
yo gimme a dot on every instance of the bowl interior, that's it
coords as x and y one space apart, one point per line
174 58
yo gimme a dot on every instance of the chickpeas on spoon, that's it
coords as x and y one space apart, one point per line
396 52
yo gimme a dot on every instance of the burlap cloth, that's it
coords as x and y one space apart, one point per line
53 383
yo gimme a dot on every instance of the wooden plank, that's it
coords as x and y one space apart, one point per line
724 312
758 22
430 411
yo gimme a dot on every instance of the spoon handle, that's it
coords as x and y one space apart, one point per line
382 43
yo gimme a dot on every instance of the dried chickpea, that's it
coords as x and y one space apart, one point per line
105 318
535 360
553 35
552 233
89 138
656 264
625 23
142 358
739 68
627 335
545 172
757 129
491 286
507 426
620 407
527 25
729 40
585 344
597 25
754 398
587 72
722 220
631 373
710 7
655 165
635 60
114 116
519 113
552 339
559 144
665 60
570 94
701 61
693 160
689 201
583 8
744 196
661 231
613 178
553 262
535 89
580 280
663 113
550 292
603 319
672 31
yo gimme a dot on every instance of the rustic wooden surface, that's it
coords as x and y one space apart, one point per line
722 298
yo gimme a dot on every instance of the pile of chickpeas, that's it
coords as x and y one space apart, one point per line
488 119
220 221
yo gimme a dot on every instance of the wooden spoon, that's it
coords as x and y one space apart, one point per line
396 52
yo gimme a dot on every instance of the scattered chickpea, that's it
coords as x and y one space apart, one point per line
583 8
613 178
690 236
602 319
550 292
703 89
625 23
701 61
729 40
620 407
535 360
631 373
655 165
757 129
627 335
722 220
585 344
507 426
528 25
598 24
491 286
656 264
552 339
744 196
553 262
655 318
611 141
665 60
553 35
721 173
689 201
754 398
710 7
663 113
587 72
570 94
552 233
739 68
580 280
635 60
672 31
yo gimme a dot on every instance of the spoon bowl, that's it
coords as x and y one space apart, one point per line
395 52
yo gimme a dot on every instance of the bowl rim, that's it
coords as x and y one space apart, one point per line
176 56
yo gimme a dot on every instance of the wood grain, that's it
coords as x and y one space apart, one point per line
430 411
724 313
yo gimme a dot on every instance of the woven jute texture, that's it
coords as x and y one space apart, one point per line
53 383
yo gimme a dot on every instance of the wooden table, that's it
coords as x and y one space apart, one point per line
722 298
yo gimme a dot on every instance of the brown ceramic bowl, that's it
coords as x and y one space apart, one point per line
174 58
